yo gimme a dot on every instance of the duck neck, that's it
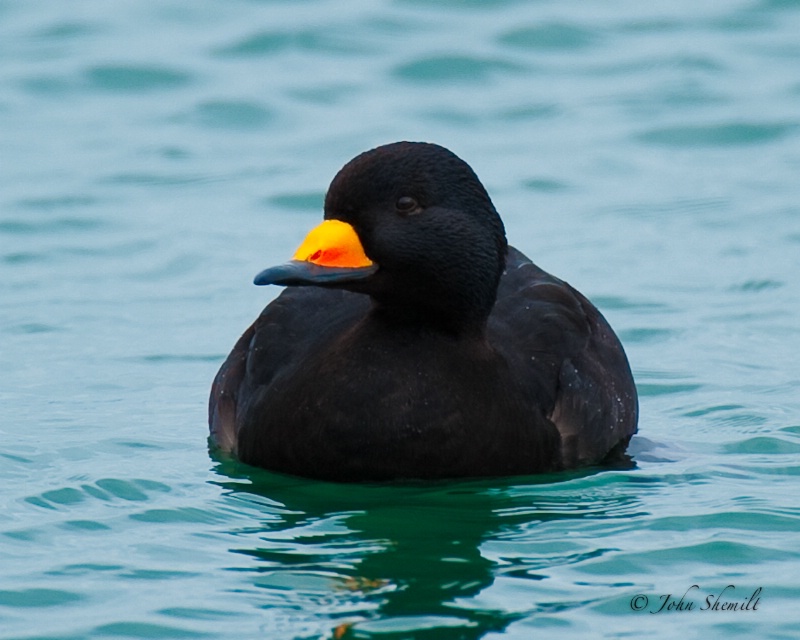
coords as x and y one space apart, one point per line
453 321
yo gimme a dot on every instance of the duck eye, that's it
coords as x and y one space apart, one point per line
406 204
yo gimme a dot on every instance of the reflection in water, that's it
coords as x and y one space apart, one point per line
383 560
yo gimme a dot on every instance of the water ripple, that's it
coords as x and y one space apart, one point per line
304 201
550 37
757 286
35 598
764 445
267 43
243 115
51 203
53 226
67 31
135 78
733 134
146 630
453 68
105 489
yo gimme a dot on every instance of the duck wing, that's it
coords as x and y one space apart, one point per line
574 367
292 326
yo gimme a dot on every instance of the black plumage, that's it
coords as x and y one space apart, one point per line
451 356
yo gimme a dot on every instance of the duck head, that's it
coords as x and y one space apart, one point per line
410 225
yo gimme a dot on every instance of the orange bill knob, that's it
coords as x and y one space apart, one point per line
331 254
333 244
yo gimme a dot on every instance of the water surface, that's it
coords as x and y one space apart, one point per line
154 156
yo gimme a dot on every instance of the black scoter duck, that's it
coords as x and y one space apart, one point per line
412 342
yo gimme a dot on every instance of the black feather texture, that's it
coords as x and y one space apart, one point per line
457 357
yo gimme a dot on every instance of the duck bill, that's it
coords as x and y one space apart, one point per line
298 273
331 253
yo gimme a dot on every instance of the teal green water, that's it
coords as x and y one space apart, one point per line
154 156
